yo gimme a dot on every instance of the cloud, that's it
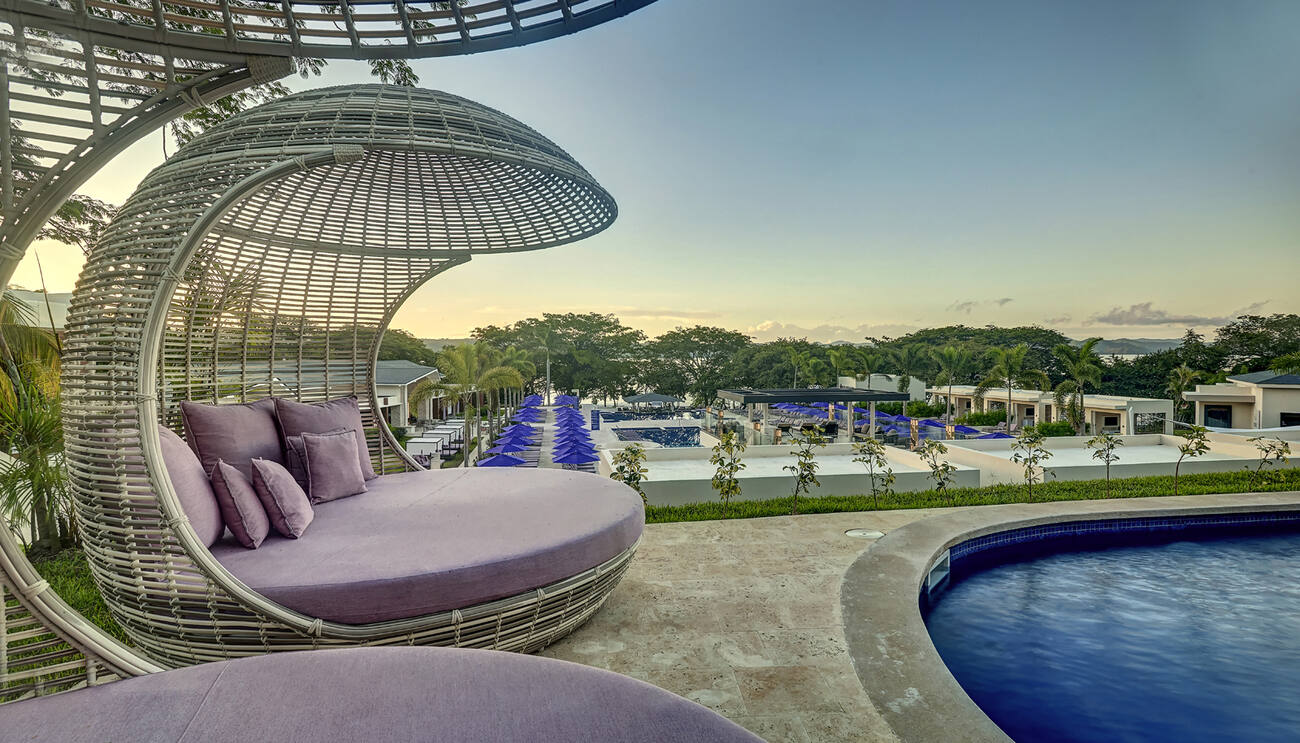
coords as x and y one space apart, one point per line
1145 313
969 305
667 314
1059 320
770 330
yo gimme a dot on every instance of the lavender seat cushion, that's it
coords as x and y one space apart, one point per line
386 695
422 542
297 418
190 482
236 433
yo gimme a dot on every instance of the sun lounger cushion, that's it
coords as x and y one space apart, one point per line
380 695
297 418
190 482
236 433
285 502
241 509
418 543
333 471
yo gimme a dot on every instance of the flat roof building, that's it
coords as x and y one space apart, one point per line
1248 401
1110 413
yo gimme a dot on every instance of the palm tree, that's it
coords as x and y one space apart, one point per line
27 350
869 362
1009 369
844 360
518 359
468 371
1082 367
1181 379
907 362
547 340
954 364
815 370
797 359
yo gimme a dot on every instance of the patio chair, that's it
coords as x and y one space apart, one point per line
277 246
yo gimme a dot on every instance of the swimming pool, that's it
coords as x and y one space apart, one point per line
1146 630
667 436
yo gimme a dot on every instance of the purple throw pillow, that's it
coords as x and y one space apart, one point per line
240 506
236 434
331 473
191 484
285 502
297 418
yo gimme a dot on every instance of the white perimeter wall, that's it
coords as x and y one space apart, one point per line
696 487
1227 454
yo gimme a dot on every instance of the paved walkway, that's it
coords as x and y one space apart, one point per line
744 616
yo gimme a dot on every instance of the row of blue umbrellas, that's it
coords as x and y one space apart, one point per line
572 439
518 437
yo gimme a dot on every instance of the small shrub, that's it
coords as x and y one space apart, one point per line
726 455
805 467
627 468
871 454
1028 450
940 471
1195 446
1103 447
1273 452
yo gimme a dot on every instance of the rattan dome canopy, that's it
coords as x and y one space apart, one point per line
266 258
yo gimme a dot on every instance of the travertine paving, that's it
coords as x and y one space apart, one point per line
744 616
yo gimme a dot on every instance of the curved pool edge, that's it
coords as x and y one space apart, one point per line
893 655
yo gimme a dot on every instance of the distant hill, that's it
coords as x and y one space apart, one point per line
437 344
1135 346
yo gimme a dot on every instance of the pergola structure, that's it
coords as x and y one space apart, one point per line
759 400
83 79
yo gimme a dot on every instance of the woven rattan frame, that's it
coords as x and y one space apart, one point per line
82 79
267 257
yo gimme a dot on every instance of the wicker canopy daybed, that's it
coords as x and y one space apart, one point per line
266 258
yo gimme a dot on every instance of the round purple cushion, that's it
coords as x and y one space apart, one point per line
373 694
192 486
422 542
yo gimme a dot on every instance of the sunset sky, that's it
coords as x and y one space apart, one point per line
866 168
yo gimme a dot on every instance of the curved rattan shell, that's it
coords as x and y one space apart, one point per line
267 257
358 29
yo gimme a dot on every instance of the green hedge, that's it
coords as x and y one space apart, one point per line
977 418
1055 428
1132 487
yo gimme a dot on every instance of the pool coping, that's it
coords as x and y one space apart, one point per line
892 653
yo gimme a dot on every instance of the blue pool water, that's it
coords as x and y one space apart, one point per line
669 436
1184 641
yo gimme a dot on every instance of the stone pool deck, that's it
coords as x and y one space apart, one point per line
744 616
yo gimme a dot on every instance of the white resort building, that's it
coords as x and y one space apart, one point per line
1248 401
1110 413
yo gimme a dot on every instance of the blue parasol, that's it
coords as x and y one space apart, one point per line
576 457
500 460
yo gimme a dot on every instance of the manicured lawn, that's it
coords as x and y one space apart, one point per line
69 576
1133 487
